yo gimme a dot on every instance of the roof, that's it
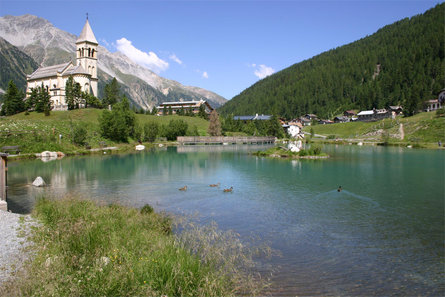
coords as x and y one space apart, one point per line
350 111
342 118
396 107
432 101
252 118
49 71
381 110
366 112
87 34
181 103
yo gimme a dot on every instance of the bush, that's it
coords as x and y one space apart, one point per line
79 135
147 209
175 128
151 131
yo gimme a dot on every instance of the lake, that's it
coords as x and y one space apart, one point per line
382 235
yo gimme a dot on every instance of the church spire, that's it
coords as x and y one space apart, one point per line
87 34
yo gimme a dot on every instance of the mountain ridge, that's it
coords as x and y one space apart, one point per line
401 63
48 45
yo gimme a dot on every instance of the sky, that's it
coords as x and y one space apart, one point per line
221 46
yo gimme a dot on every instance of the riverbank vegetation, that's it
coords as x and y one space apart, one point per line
425 129
314 152
75 131
83 249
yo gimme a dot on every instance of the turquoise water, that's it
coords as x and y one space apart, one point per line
382 235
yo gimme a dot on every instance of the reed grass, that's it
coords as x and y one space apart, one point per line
83 249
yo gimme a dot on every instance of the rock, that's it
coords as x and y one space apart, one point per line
39 182
360 143
48 154
140 147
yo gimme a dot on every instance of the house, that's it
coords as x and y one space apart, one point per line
192 106
349 113
432 105
373 115
252 118
396 109
304 121
311 116
441 97
84 72
325 122
294 129
342 119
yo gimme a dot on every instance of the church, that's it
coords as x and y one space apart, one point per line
83 72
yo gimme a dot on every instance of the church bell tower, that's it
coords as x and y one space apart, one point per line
86 54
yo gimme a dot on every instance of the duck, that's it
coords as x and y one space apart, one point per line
184 188
214 185
228 190
339 189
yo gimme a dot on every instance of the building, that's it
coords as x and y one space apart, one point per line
84 71
187 106
373 115
349 113
252 118
432 105
342 119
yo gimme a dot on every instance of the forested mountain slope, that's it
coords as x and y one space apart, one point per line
402 63
15 65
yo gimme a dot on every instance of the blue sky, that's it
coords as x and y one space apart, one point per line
222 46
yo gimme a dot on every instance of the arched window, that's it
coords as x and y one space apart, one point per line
93 69
80 53
90 70
89 52
83 52
92 53
86 88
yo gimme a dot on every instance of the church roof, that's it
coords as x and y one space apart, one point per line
87 34
49 71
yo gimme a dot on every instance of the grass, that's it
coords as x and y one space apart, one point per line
36 132
314 152
82 249
424 129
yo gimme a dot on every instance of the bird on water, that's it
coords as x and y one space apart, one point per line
184 188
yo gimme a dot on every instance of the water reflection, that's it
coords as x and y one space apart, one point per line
382 235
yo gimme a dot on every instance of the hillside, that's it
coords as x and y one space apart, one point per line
402 63
19 65
48 45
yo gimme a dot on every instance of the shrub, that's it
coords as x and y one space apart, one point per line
147 209
151 131
176 128
79 135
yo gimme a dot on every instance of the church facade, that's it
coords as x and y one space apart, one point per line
84 71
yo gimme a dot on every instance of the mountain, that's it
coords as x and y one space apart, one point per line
48 45
19 64
402 63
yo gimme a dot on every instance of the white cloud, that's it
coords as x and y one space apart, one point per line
205 75
173 57
262 70
149 60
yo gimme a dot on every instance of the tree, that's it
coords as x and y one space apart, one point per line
154 110
176 128
275 128
170 111
43 102
73 93
13 100
91 100
112 93
202 112
119 124
151 131
214 124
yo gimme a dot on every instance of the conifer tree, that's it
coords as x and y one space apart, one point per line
112 93
214 124
13 100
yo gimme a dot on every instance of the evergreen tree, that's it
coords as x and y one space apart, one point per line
13 102
154 110
30 102
73 93
43 102
170 111
214 124
112 93
151 131
274 127
202 112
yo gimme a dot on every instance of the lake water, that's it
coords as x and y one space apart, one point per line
382 235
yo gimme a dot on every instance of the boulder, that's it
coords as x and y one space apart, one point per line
140 147
39 182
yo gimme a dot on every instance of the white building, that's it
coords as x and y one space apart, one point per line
83 72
